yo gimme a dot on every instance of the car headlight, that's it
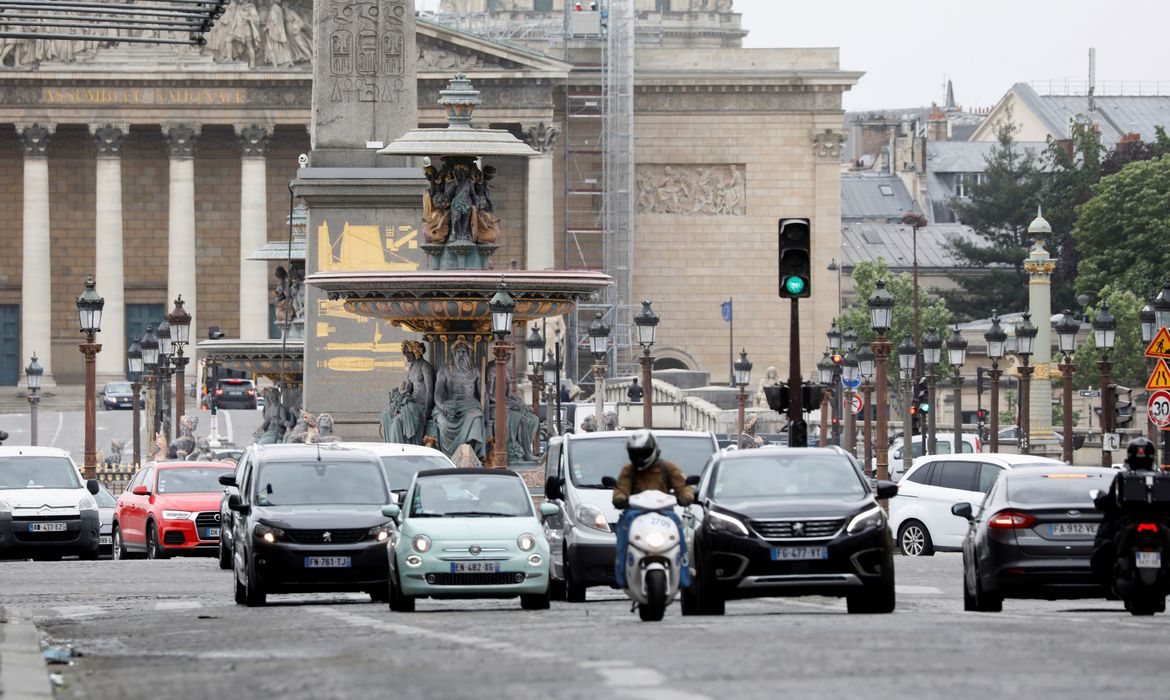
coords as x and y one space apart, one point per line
525 542
591 516
87 503
5 507
867 520
421 543
381 532
268 533
725 523
176 515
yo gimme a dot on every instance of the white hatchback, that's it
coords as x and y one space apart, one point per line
401 462
971 444
921 515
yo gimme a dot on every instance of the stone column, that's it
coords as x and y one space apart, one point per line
1039 265
540 251
36 320
253 230
181 225
108 267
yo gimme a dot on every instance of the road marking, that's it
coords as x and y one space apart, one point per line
57 432
74 612
178 605
227 415
917 590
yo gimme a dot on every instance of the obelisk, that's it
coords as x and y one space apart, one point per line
1039 265
364 209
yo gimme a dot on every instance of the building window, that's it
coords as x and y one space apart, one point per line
542 5
886 190
662 5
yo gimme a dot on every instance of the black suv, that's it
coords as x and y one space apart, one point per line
235 393
308 518
780 521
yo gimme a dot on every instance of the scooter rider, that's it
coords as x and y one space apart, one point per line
1139 456
646 471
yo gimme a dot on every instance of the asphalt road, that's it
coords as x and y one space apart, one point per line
147 629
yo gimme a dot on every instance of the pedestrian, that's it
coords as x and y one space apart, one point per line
634 393
564 394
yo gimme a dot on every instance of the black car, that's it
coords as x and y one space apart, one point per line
780 521
117 395
309 518
226 515
235 393
1032 537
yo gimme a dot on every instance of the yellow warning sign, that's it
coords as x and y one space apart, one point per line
1160 345
1160 378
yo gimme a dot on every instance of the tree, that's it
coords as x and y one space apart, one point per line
1127 353
999 211
933 312
1122 232
1071 168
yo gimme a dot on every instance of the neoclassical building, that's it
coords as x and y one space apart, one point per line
160 170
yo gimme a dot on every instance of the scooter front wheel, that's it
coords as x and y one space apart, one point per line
654 608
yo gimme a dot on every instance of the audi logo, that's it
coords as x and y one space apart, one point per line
217 517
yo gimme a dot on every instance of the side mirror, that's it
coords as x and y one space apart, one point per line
693 480
140 490
552 488
886 489
963 510
1099 498
549 509
391 510
227 480
608 482
92 486
235 506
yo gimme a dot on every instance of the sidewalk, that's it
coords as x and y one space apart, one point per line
23 674
70 397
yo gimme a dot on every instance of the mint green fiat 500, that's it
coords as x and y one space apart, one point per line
468 533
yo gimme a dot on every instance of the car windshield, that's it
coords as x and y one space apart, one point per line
1056 489
770 476
593 459
400 469
104 498
27 472
320 483
190 479
470 495
118 388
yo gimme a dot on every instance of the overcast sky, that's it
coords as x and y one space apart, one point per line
909 48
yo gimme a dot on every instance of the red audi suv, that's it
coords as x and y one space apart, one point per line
170 508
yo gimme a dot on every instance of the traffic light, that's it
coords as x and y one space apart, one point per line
915 420
1122 405
922 395
795 266
982 381
777 398
798 433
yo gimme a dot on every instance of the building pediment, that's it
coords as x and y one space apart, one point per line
443 50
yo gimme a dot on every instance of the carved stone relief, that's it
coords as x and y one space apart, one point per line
107 138
828 143
35 138
541 137
692 190
181 139
253 139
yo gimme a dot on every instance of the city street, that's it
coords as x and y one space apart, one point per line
170 629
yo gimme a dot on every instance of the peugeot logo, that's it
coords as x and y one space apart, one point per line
1074 513
327 536
798 529
474 549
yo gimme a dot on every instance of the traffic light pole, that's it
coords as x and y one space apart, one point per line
1106 409
931 443
797 429
908 424
994 410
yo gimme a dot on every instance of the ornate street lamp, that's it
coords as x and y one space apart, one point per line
647 323
996 338
851 376
502 306
535 346
931 356
1149 322
552 381
881 312
598 345
742 369
834 334
957 355
150 359
32 375
849 341
1066 339
1025 343
180 323
134 367
866 363
163 387
1104 333
825 370
89 313
907 357
1162 306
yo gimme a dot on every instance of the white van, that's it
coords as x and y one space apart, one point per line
943 440
46 510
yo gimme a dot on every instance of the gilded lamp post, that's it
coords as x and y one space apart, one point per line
881 313
1066 338
996 338
89 313
502 306
647 323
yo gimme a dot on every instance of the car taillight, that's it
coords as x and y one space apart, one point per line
251 391
1147 527
219 392
1009 520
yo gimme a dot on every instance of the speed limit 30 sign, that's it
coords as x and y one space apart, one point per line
1159 408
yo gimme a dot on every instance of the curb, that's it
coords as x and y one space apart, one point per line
22 668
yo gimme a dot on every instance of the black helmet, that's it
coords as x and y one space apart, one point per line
1140 454
642 448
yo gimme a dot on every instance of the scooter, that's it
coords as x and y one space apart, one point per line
1141 569
654 563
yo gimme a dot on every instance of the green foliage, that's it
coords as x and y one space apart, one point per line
1127 354
1058 411
1071 170
1123 231
933 313
1008 415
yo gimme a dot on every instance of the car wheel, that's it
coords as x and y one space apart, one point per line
655 606
399 601
254 594
536 601
968 594
574 591
878 598
241 591
154 549
225 556
914 540
983 601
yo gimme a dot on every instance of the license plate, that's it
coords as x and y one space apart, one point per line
327 562
799 553
47 527
105 539
210 533
475 567
1148 560
1064 529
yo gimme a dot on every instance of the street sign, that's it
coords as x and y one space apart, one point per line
858 404
1111 442
850 385
1159 408
1160 345
1160 377
1089 394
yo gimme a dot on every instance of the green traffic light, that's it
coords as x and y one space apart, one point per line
794 284
924 407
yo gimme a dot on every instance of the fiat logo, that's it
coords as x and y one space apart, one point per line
474 549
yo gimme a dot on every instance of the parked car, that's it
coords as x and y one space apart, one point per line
921 516
1011 436
117 395
780 521
235 393
227 515
468 533
309 518
401 462
169 508
584 527
943 446
106 504
46 509
1032 537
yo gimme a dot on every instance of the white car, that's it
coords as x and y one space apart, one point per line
401 461
921 518
46 509
943 440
